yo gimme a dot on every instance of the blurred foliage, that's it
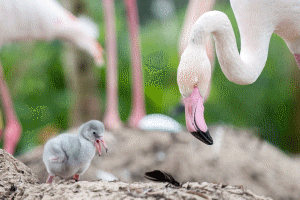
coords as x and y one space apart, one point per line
35 75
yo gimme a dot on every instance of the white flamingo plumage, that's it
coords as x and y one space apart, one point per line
257 21
39 20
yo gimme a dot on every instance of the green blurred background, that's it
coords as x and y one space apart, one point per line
36 79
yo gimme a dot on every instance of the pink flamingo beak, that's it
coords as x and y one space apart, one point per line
194 116
99 60
98 145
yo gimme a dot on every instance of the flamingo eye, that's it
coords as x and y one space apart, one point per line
94 133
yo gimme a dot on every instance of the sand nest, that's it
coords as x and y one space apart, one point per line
240 163
15 177
18 182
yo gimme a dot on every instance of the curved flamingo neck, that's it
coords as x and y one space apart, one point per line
194 67
220 26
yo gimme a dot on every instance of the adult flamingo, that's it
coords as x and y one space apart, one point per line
257 21
47 20
111 119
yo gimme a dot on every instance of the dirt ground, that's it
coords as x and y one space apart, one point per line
234 167
19 182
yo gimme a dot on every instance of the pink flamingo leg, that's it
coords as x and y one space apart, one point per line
138 110
13 128
111 119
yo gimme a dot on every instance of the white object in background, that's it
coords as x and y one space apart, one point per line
159 122
106 176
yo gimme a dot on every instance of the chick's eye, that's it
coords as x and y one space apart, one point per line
94 133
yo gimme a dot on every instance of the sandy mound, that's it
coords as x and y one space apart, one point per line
239 159
120 190
18 182
15 177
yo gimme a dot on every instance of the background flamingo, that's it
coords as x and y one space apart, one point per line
57 22
257 20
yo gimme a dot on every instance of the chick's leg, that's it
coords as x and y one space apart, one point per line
76 177
50 179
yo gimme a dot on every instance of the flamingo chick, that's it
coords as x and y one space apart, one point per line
257 21
70 154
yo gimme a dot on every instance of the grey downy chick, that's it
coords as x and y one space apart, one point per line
71 154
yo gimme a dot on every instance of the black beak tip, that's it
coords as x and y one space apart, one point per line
203 136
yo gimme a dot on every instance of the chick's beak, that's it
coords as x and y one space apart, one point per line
98 145
104 144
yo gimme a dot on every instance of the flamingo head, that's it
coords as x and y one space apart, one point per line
93 131
86 38
93 48
193 78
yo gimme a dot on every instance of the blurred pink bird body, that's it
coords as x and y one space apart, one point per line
46 20
26 20
257 21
